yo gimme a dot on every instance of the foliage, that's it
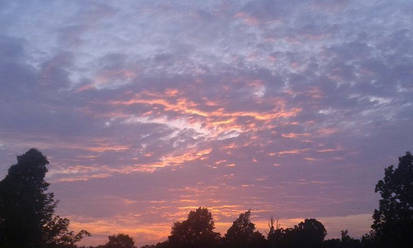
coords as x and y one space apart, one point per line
369 240
242 233
349 242
393 221
120 241
195 232
274 236
27 211
310 233
164 244
345 242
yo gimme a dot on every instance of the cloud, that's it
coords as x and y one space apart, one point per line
290 108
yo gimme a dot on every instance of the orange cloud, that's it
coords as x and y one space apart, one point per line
211 121
84 173
295 135
184 106
149 233
329 150
294 151
106 148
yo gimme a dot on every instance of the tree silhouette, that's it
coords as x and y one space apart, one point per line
393 221
27 212
273 233
349 242
120 241
242 233
278 237
345 242
369 240
164 244
195 232
310 233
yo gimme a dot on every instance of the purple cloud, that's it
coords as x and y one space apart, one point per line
148 109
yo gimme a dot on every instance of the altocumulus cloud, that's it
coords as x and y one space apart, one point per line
148 109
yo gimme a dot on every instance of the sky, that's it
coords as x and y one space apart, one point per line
148 109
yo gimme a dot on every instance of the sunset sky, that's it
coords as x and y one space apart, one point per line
149 109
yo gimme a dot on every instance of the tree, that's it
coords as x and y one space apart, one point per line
368 240
27 211
120 241
393 221
310 233
195 232
279 237
242 233
273 236
164 244
349 242
346 241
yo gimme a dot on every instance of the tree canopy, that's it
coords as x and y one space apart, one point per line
27 216
242 233
310 233
120 241
393 221
197 231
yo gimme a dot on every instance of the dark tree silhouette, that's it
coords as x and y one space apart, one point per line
310 233
195 232
345 242
369 240
273 234
164 244
120 241
393 221
278 237
27 212
349 242
242 233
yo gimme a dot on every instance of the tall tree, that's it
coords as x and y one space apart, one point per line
393 221
242 233
197 231
27 211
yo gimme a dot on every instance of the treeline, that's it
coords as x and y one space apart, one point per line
197 231
28 220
